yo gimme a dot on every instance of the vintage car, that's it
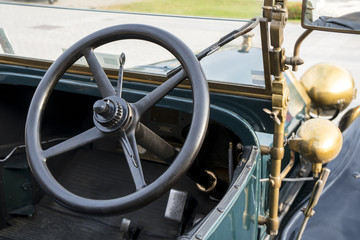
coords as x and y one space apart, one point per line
183 128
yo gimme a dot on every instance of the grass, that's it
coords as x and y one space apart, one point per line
243 9
294 10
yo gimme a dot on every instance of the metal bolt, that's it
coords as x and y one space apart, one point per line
100 106
302 172
220 209
239 146
356 175
199 236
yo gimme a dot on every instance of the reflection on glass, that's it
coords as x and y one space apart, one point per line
334 14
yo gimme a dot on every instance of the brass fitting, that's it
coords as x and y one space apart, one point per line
265 150
272 225
267 9
275 181
316 168
277 152
213 185
262 220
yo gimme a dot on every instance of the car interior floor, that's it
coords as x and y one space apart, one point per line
98 174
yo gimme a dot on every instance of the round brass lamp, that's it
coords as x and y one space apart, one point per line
318 141
329 87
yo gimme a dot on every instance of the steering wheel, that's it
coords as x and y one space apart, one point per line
113 115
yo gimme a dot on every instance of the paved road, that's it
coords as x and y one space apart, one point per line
45 32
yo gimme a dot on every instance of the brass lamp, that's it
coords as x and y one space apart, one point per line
330 87
318 141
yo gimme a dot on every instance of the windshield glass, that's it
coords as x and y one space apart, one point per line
46 32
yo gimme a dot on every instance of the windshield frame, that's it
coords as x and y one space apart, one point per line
214 86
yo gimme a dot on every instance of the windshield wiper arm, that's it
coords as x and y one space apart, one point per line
224 40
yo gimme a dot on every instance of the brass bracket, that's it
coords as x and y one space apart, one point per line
278 61
280 98
277 54
294 144
265 150
267 9
278 22
277 152
262 220
272 225
316 168
275 181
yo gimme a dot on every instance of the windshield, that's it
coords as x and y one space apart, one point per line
45 33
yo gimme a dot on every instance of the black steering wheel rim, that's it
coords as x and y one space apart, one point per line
184 159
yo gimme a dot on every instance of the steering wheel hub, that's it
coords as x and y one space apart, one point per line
111 114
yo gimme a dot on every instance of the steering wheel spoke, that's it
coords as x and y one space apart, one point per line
105 87
72 143
158 93
133 159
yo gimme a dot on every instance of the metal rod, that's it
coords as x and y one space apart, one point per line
230 161
302 229
291 179
264 28
120 75
297 46
23 146
300 40
289 166
273 219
